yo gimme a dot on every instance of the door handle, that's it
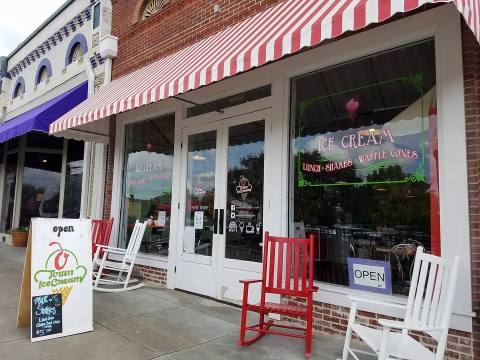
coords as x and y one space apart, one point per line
220 229
215 221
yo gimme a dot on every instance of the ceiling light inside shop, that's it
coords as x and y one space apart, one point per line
198 157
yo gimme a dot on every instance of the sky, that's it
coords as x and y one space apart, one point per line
15 28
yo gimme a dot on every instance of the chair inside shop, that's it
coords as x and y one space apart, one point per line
282 257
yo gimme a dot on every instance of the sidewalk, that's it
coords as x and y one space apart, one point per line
144 324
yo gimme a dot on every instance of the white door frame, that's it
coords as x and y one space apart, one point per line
237 269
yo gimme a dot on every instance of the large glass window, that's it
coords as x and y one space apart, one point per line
73 180
40 187
364 162
148 181
9 192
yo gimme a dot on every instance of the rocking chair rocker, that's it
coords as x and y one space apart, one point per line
276 279
113 275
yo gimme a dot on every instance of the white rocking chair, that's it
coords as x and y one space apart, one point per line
428 310
113 275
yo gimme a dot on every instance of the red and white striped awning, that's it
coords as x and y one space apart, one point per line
272 34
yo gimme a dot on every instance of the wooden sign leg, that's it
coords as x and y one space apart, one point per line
23 316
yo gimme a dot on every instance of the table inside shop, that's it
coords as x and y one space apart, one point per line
156 239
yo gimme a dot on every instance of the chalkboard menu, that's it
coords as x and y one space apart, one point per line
46 315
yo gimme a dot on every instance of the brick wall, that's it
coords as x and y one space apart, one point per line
471 69
333 320
177 25
107 203
151 275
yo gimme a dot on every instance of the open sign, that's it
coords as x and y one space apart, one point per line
370 275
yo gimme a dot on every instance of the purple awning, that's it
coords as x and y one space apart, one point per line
42 116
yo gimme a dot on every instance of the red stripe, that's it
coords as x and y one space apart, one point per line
317 26
337 19
384 9
359 15
410 5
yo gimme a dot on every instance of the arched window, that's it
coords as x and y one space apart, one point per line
43 74
19 88
152 7
44 71
76 49
77 52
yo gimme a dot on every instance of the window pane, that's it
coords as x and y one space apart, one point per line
73 180
245 192
37 139
364 162
148 181
41 186
13 144
9 192
96 16
200 194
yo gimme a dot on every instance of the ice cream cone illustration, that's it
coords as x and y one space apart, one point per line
65 291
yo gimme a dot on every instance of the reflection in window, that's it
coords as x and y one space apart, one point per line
9 192
41 186
148 181
73 180
364 162
245 192
200 194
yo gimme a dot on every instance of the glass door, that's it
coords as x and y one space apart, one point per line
222 209
196 268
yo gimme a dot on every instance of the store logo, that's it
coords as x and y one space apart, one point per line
61 271
244 187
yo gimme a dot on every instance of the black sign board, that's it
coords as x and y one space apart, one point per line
46 315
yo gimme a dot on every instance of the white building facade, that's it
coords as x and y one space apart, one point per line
55 68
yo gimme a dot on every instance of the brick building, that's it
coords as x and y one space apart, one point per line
367 139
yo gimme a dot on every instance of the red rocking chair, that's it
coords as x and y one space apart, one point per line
101 230
279 253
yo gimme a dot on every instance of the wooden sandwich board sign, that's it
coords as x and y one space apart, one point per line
56 295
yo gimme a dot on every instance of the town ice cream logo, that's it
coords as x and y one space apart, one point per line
244 187
61 272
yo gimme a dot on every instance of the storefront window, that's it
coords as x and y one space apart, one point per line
9 192
40 187
73 180
364 162
243 237
148 181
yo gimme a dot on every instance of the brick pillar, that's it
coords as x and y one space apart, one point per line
107 203
471 73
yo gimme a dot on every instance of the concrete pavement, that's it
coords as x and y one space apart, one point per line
147 323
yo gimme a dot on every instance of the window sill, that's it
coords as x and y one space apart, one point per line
158 261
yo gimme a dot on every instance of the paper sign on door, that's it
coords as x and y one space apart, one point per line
198 220
162 216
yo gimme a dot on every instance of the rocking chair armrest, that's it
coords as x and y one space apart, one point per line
400 325
248 282
376 302
111 249
312 289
